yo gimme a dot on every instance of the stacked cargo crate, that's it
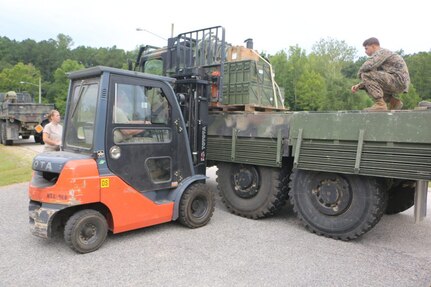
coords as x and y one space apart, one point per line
250 82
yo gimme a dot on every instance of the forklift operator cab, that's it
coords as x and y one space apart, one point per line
126 162
141 145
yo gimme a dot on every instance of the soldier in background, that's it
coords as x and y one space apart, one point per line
383 75
53 132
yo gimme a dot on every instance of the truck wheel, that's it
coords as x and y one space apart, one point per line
25 137
85 231
252 191
196 206
38 138
337 205
401 196
3 135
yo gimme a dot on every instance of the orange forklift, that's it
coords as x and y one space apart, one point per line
133 155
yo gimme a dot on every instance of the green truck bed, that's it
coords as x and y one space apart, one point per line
393 144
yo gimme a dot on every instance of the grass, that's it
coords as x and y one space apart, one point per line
15 167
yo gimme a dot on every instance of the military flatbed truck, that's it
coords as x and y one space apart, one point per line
340 170
21 116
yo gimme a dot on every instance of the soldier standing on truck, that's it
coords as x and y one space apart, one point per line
53 132
383 75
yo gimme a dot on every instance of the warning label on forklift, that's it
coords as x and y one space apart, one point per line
104 182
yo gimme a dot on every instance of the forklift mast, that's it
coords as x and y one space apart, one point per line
195 59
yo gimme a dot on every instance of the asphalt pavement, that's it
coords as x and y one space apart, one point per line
229 251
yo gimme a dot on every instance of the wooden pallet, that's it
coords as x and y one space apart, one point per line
245 108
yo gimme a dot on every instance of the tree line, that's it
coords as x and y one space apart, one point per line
315 81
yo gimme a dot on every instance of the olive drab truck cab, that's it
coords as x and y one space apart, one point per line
130 159
21 116
340 173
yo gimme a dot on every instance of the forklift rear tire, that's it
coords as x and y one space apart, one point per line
85 231
196 206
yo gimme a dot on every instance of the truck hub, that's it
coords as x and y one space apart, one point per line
332 196
246 182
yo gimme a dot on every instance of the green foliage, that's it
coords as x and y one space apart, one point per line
330 57
111 57
89 57
410 99
340 97
57 92
310 91
291 66
350 70
420 73
11 78
28 60
279 64
154 67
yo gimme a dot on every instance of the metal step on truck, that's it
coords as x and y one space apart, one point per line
21 117
340 171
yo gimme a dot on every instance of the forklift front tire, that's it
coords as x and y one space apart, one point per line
196 206
85 231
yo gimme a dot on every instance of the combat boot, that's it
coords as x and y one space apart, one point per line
379 105
395 104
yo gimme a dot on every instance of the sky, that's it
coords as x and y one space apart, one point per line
273 25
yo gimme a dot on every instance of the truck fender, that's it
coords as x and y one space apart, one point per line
180 190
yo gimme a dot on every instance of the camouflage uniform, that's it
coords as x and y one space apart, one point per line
384 74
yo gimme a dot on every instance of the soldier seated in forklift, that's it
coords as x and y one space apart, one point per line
134 106
131 107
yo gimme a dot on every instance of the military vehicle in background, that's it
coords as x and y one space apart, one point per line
21 116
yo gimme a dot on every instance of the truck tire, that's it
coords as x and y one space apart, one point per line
3 136
252 191
38 138
196 206
338 206
85 231
401 196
